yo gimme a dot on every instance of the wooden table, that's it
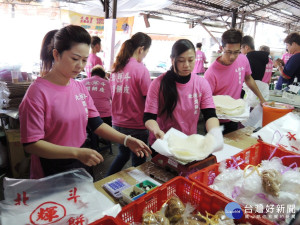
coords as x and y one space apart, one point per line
122 174
240 139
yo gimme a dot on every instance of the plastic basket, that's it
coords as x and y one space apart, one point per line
203 199
262 151
252 155
107 220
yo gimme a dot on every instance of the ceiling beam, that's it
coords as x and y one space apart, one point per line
213 37
262 7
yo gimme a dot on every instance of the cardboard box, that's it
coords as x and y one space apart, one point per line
19 163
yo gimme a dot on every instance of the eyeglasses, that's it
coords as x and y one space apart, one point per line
232 53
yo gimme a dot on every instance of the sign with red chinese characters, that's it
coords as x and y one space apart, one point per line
52 200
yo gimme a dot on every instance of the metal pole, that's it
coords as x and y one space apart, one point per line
115 9
234 16
213 37
254 33
106 8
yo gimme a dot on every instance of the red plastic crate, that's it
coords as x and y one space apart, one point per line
107 220
252 155
187 191
262 151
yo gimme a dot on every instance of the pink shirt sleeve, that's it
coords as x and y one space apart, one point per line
99 61
211 79
145 82
206 99
31 121
152 99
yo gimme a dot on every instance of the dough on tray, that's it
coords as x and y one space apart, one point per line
228 105
193 147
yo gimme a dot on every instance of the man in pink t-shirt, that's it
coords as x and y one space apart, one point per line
227 74
200 60
93 59
99 89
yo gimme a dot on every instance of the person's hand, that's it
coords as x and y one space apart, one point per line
159 134
262 101
278 62
138 147
216 132
89 157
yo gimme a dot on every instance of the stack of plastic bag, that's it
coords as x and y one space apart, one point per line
65 198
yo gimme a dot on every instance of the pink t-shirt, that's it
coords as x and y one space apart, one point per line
129 88
228 80
192 97
199 61
56 114
268 72
99 90
285 57
92 61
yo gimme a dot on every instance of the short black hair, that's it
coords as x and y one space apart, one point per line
292 37
95 40
248 40
232 36
199 45
98 71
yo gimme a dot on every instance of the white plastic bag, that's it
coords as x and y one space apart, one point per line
65 198
284 131
255 118
251 98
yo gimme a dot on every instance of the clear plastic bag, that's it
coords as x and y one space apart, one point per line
251 98
57 199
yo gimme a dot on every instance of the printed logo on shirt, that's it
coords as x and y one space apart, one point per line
195 101
81 97
199 57
239 71
121 86
94 86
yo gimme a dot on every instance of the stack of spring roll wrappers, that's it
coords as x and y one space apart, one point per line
11 94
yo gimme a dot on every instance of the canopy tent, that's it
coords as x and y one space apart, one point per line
125 8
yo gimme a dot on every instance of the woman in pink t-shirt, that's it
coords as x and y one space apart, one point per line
176 98
200 60
56 109
93 59
129 83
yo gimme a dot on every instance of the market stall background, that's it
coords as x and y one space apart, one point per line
25 22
